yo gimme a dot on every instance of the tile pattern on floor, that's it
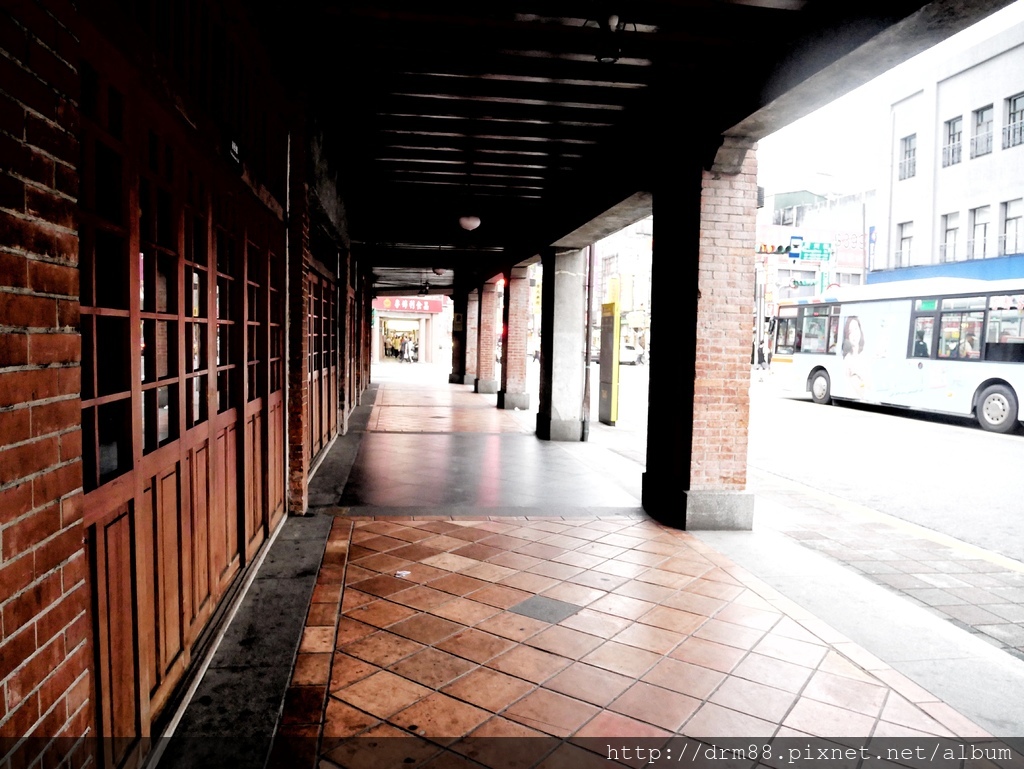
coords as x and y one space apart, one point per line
417 408
973 589
476 471
672 639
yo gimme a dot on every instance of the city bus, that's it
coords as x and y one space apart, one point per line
942 345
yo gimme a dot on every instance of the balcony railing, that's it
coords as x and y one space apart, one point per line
1010 244
981 144
976 248
908 168
1013 134
951 154
901 258
947 252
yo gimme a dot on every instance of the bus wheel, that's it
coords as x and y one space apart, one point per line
821 387
997 409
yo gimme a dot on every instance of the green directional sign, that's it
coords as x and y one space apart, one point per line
816 250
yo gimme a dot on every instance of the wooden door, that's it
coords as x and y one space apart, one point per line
176 442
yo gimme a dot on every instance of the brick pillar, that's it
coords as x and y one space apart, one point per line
346 348
298 341
697 436
45 653
460 299
487 339
472 335
515 320
367 332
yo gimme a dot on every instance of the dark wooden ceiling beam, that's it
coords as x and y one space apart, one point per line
459 159
498 88
450 131
468 173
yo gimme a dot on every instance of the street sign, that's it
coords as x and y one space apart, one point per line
816 250
795 246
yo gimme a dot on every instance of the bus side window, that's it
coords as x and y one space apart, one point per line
924 334
1004 332
961 335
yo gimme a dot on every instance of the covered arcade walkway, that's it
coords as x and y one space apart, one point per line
477 583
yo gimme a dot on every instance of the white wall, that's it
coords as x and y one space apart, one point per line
987 73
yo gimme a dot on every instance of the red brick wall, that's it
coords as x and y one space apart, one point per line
298 357
724 322
44 600
488 324
472 319
518 312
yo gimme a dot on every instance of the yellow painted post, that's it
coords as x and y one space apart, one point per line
608 406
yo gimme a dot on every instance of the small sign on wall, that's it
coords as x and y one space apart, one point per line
457 322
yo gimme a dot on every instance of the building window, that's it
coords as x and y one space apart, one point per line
849 278
951 147
977 245
981 141
1012 239
1013 133
950 235
908 156
906 239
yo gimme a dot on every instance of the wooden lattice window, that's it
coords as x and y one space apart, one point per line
227 312
105 282
256 363
276 322
197 276
159 295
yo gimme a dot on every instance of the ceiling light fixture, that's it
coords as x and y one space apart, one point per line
610 48
425 290
469 223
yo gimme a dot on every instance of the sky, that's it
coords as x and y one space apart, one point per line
830 151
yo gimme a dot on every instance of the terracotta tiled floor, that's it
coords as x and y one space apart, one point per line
418 409
669 639
415 631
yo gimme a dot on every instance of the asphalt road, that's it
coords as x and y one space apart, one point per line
945 474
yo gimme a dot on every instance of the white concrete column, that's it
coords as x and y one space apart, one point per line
563 320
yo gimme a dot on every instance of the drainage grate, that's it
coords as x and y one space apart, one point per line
545 609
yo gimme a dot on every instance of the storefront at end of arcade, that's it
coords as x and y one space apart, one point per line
423 321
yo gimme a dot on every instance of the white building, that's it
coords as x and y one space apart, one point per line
953 201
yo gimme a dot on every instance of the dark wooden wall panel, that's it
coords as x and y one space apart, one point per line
226 459
169 549
183 369
275 458
111 552
200 541
254 515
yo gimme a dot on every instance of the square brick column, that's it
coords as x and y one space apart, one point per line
562 339
515 320
487 339
700 330
472 335
298 341
45 655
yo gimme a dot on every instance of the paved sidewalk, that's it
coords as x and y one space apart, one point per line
486 597
971 588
